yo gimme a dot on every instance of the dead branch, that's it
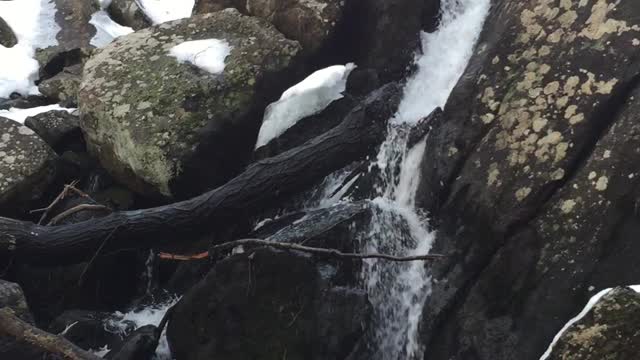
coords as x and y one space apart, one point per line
13 327
75 209
323 252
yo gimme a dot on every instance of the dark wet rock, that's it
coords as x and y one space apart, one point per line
24 102
532 177
7 37
11 295
139 345
608 331
266 304
422 128
431 15
311 23
63 87
54 60
27 166
381 35
57 128
189 130
89 330
128 13
362 81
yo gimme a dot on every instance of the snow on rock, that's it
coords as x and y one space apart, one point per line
33 23
159 11
106 29
590 304
207 54
104 3
20 115
150 315
308 97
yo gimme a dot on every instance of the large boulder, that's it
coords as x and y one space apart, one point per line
311 23
268 304
57 128
532 176
27 166
189 129
608 331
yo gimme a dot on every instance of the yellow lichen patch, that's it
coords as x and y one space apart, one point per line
522 193
567 206
599 24
602 183
493 174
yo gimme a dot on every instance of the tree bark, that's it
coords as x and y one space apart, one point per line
12 327
260 185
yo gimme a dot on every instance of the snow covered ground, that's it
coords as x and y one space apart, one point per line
20 115
308 97
590 304
159 11
33 23
207 54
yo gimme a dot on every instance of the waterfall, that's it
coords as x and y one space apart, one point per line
398 290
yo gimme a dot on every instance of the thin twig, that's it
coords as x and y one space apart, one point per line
93 258
45 211
307 249
76 209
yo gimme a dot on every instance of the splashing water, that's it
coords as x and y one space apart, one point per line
398 291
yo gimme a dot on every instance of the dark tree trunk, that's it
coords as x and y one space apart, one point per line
260 185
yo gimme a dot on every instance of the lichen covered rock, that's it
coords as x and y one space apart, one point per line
162 126
26 166
608 332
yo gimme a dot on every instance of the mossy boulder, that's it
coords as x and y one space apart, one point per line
168 128
608 332
7 37
27 166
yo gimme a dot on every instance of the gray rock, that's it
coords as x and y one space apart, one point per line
53 126
163 127
128 13
7 37
63 87
26 166
311 23
11 295
608 332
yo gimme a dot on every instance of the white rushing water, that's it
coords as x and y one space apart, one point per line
398 291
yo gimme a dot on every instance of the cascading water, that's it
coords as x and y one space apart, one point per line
398 291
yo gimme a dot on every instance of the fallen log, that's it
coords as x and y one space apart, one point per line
258 187
12 328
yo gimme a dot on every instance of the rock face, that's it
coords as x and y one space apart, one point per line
268 304
128 13
27 166
532 177
608 331
54 127
309 22
63 87
188 130
7 37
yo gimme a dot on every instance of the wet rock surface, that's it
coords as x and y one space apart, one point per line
608 331
528 176
264 304
7 37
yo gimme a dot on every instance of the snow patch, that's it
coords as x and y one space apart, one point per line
208 54
106 29
159 11
20 115
104 4
308 97
33 23
590 304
